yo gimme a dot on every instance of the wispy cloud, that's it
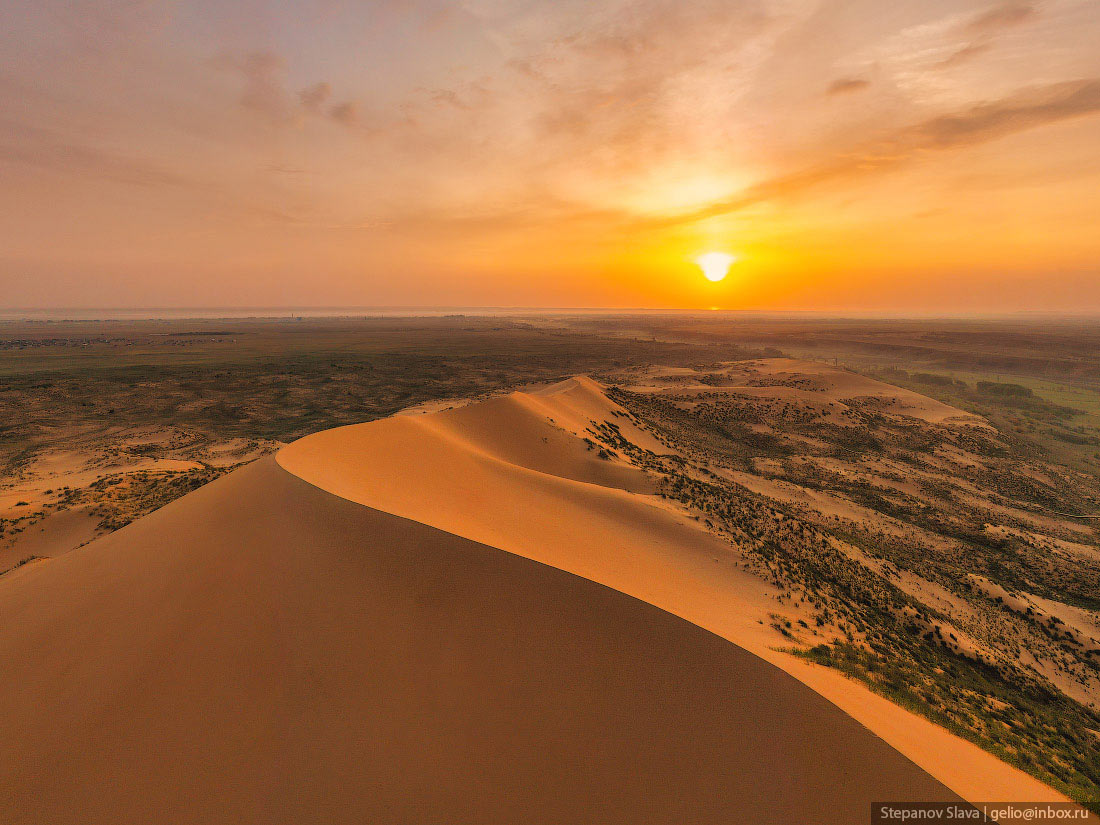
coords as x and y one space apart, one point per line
980 123
984 30
313 98
264 92
1000 17
262 73
346 113
964 54
28 145
844 85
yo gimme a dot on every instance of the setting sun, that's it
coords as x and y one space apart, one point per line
715 265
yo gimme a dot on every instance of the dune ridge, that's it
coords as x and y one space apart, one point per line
312 638
515 473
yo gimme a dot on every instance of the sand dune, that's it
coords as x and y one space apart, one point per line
514 473
263 651
338 635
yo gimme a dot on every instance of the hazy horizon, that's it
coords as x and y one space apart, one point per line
929 158
183 313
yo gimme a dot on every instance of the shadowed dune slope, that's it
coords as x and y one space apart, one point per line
264 651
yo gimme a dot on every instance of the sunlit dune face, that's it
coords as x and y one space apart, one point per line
715 265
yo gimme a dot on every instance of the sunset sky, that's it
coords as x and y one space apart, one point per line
905 156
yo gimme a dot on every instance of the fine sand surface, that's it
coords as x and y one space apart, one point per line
514 473
263 651
57 533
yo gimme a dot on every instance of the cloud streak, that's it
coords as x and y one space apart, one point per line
1001 17
40 148
266 94
977 124
846 85
985 28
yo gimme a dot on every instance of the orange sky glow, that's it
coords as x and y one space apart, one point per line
913 156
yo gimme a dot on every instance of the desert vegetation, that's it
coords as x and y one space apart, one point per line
921 546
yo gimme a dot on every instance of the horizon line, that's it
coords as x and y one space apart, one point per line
282 312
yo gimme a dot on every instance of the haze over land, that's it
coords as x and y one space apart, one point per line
906 156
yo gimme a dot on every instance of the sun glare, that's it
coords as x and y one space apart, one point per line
715 265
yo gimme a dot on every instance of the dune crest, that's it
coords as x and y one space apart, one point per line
516 473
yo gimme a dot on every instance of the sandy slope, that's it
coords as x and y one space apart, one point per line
513 473
263 651
57 533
